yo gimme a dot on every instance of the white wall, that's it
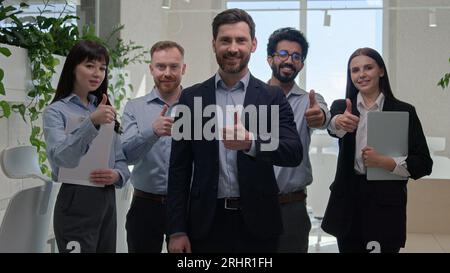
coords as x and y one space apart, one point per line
14 131
418 59
189 24
145 23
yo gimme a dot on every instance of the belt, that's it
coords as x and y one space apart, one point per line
158 198
230 203
233 203
296 196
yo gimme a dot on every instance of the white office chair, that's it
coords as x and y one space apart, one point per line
441 164
323 156
27 218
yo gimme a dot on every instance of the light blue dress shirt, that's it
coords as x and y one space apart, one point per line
66 150
149 153
297 178
234 96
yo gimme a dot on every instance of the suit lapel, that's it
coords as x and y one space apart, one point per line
252 92
389 104
209 98
209 92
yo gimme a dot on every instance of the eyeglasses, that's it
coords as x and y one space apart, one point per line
284 55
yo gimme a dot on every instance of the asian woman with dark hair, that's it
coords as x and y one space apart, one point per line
84 215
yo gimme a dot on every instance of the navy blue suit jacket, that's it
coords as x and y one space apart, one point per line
384 202
191 206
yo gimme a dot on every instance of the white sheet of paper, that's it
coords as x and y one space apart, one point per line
97 156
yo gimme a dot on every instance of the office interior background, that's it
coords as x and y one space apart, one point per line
412 35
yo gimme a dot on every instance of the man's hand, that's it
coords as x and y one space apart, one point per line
347 121
104 176
236 137
315 117
104 113
162 126
179 244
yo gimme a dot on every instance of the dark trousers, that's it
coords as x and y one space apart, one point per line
229 234
85 219
146 226
354 242
296 228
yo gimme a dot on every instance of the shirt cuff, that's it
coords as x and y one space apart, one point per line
339 133
89 130
326 114
252 150
177 234
150 135
121 182
401 168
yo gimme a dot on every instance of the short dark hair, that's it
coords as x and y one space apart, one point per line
84 50
289 34
232 16
385 86
161 45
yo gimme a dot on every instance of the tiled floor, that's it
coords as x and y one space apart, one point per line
415 243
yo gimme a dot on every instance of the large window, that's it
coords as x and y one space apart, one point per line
331 42
51 9
268 16
352 24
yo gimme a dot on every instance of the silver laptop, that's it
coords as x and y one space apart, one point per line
387 133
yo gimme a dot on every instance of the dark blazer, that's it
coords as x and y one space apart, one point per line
383 202
191 208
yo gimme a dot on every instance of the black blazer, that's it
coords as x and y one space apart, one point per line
384 202
191 208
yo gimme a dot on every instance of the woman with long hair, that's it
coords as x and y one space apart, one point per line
362 213
84 216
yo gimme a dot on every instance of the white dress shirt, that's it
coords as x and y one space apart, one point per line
361 136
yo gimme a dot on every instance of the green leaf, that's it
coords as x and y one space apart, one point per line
24 5
5 108
55 62
5 51
2 89
2 74
22 110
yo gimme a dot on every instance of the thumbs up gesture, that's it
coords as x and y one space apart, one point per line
162 126
236 137
347 121
104 113
314 115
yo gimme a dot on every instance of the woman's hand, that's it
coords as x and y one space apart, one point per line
347 121
373 159
104 176
104 113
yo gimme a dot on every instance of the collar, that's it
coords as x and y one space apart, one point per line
91 98
244 81
296 90
156 95
378 102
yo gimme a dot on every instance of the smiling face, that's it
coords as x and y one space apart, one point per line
89 75
286 69
167 68
365 74
233 47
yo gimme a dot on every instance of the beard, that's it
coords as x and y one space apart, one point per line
233 69
284 79
167 87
